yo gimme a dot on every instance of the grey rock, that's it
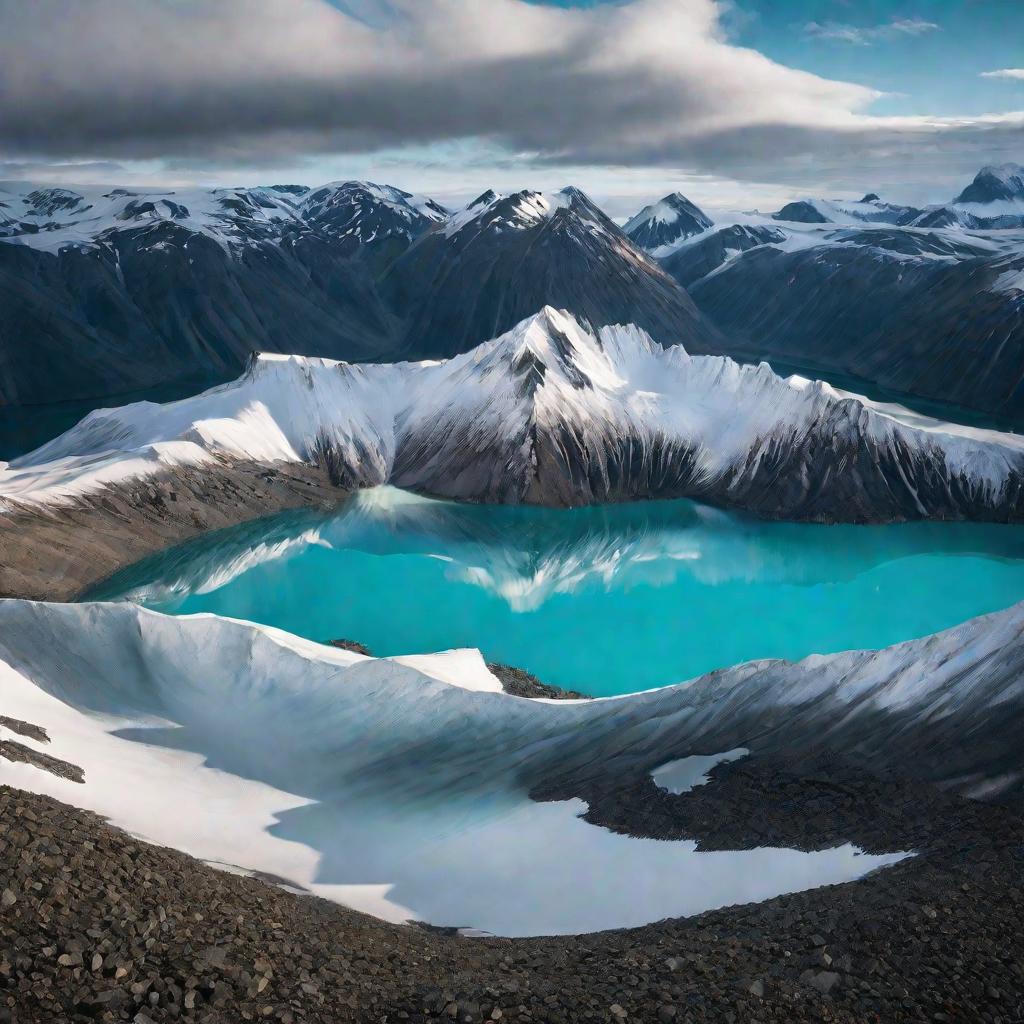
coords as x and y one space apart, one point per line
822 981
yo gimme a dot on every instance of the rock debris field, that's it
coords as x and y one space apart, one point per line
96 925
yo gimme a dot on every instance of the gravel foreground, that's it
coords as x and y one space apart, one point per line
98 925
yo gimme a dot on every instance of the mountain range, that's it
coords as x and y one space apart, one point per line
105 293
109 291
554 412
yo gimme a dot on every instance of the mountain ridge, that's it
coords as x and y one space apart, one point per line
554 412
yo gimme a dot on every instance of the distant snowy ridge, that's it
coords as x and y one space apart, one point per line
54 218
554 413
870 209
993 201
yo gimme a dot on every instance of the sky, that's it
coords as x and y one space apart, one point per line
737 103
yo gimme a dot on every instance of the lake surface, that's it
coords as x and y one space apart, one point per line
605 600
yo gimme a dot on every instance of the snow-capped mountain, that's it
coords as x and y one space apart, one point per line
993 184
919 302
52 219
870 210
505 256
104 292
361 214
994 201
555 413
111 291
662 226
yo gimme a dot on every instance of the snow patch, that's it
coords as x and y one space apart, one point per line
686 773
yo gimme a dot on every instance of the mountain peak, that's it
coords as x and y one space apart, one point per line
524 209
365 212
552 345
993 183
662 226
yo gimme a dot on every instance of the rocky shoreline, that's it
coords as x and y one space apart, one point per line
57 552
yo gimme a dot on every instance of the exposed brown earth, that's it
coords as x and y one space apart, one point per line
54 553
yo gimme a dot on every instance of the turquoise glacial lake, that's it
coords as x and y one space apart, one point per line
605 600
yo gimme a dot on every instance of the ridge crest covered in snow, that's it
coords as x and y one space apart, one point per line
556 413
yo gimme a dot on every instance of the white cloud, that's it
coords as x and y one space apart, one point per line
866 35
1016 73
208 87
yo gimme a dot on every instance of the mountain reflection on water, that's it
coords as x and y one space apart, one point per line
607 599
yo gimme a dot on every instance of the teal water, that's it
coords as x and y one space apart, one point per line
606 600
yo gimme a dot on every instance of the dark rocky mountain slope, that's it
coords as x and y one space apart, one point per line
103 294
505 257
927 324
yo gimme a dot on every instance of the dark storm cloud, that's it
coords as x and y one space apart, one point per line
232 81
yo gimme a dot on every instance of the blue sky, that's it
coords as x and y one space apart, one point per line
934 72
735 102
937 71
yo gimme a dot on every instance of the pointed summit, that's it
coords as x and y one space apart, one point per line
662 226
994 183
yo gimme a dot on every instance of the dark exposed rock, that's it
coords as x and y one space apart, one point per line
515 681
33 732
11 750
520 683
351 645
100 925
801 212
158 303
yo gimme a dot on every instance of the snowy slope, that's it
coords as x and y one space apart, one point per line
554 413
389 778
186 709
55 218
661 227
